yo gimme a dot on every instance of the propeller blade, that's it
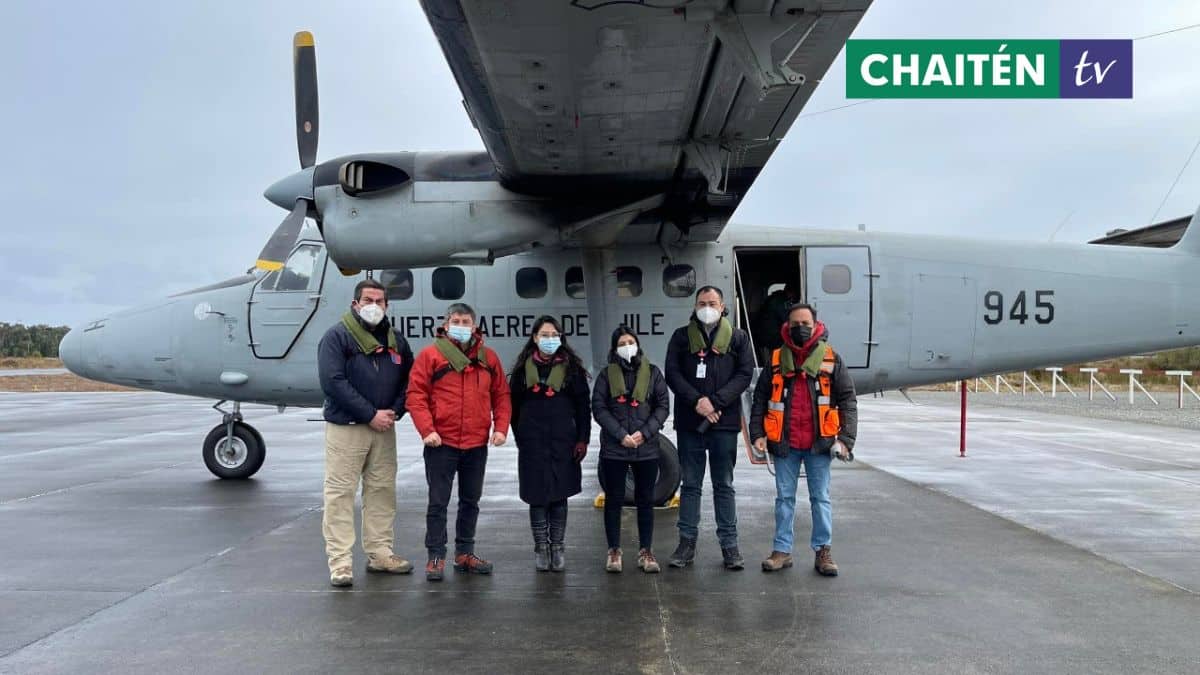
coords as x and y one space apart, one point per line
304 60
284 239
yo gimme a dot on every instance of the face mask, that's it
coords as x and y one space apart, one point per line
549 346
627 352
371 314
460 334
800 335
708 315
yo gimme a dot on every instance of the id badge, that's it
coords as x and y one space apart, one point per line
701 370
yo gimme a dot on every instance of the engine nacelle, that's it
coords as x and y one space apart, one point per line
425 223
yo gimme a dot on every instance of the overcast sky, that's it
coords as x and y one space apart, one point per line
139 136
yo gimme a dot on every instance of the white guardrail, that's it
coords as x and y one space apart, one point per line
996 384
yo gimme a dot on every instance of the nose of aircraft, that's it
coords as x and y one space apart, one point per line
285 191
70 350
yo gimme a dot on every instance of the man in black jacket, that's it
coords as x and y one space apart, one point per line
805 413
709 364
363 366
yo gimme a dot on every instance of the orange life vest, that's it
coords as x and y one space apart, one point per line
829 421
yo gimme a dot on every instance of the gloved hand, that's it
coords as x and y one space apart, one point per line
580 451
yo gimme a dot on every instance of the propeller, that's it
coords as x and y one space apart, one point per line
304 75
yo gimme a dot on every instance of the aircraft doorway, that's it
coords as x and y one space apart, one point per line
284 300
768 282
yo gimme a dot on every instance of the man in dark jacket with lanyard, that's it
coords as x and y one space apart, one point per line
709 364
363 366
805 412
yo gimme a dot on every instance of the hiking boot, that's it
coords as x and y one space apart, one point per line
558 557
823 562
471 563
435 569
733 558
613 564
776 561
342 577
647 562
391 564
541 557
685 553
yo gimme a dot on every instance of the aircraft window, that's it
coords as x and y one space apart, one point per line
629 282
532 282
399 283
297 274
268 282
575 287
449 283
679 281
835 279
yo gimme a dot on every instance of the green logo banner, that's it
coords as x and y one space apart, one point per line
952 69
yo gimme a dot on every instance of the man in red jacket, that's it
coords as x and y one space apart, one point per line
457 393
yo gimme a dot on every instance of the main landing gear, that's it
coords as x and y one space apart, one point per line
233 449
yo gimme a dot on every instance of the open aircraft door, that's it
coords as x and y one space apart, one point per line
838 283
285 300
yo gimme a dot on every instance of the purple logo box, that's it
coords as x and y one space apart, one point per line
1095 68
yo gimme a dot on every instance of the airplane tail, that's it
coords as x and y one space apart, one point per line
1190 241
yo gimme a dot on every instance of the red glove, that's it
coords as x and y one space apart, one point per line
580 451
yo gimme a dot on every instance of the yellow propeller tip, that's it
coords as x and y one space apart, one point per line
268 265
303 39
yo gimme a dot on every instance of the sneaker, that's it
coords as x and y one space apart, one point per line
435 569
391 564
342 577
823 562
613 563
776 561
469 562
685 553
733 558
647 562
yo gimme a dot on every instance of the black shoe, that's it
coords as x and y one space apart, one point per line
558 558
685 553
733 558
541 557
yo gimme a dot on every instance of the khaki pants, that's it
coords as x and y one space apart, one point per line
354 452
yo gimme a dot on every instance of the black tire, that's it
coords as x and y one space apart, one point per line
244 464
669 475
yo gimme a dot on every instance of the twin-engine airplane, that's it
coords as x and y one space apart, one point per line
620 138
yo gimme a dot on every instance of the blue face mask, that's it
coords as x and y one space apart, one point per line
549 346
460 334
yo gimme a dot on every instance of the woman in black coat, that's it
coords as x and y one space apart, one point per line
552 424
631 404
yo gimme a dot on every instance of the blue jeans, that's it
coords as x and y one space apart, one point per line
721 449
787 476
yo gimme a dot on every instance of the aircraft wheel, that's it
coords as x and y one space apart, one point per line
237 458
669 475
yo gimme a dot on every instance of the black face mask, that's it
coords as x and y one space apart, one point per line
800 334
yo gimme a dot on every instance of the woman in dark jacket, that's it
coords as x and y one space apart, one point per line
631 404
552 424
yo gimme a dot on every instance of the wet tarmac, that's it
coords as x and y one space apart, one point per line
121 552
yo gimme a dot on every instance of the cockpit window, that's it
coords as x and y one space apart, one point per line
299 272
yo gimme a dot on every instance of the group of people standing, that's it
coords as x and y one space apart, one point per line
460 400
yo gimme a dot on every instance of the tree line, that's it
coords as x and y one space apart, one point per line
18 340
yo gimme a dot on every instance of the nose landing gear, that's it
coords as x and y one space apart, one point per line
233 449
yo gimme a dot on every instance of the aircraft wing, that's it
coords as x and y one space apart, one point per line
679 100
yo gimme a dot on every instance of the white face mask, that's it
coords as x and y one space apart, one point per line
460 334
371 314
627 352
708 315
